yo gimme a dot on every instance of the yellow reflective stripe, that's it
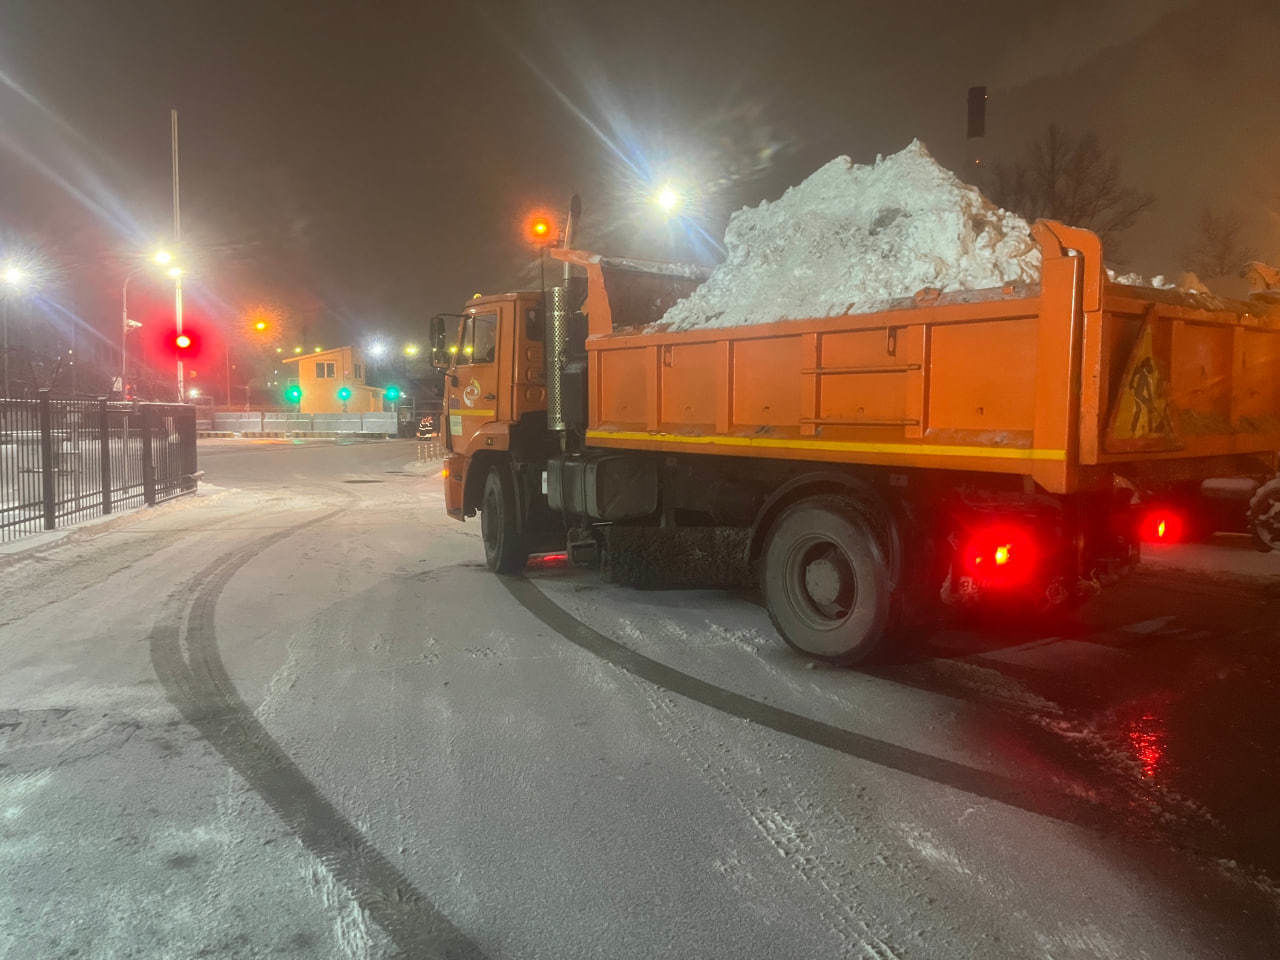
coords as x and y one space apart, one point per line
838 446
476 413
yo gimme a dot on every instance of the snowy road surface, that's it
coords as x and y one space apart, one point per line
294 716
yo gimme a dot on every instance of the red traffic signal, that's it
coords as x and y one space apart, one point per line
183 341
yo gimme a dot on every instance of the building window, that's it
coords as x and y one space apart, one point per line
319 371
359 375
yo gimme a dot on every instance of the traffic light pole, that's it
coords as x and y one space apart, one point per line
177 316
177 239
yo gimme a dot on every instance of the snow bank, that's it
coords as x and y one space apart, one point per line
851 238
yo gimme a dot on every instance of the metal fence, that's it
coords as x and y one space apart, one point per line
62 461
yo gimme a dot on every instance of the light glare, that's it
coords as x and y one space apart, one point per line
668 199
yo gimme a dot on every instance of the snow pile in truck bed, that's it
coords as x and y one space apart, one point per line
850 238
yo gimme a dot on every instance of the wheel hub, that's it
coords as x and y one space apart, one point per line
824 582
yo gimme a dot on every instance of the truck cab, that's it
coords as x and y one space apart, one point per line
495 387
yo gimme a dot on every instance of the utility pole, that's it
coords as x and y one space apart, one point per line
177 242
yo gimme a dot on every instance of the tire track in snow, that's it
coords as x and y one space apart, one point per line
795 843
1012 792
184 653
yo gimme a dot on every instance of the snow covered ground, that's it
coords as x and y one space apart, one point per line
1226 556
299 718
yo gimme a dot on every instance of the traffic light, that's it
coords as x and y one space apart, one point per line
391 394
344 394
293 393
183 341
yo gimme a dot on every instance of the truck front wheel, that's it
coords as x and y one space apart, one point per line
504 547
826 583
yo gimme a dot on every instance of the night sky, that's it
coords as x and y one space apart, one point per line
366 165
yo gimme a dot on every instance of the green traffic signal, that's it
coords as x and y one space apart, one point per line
344 394
392 393
293 393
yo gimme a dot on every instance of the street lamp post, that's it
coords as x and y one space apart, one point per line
161 257
6 346
124 327
13 277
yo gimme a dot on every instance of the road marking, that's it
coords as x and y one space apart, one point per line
837 446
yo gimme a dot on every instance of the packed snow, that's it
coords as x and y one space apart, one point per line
852 238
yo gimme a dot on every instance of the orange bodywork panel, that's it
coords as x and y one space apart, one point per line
499 371
1068 382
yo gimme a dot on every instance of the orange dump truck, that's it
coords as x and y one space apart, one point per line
957 446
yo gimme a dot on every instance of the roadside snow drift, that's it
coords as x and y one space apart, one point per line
850 238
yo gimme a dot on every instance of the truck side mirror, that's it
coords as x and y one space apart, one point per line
440 358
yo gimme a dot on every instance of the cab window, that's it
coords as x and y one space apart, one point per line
479 339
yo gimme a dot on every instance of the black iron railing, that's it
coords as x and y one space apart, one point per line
63 461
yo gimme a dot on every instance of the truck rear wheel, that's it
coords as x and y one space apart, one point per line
504 547
826 582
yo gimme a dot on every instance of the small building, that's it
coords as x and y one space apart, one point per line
321 375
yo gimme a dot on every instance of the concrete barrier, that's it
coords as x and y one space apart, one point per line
276 422
336 422
238 422
378 422
286 423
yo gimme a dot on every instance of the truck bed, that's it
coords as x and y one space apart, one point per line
1068 382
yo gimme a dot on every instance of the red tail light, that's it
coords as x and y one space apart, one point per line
1162 525
1000 554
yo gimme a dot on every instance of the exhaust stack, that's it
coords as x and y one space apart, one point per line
557 349
558 310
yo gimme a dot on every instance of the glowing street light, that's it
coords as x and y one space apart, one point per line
668 199
260 325
319 349
377 349
297 349
411 349
14 276
175 272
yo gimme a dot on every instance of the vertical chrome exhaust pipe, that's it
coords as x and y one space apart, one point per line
557 347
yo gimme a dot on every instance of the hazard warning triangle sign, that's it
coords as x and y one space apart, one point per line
1140 415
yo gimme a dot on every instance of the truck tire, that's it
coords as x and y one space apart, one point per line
504 547
826 583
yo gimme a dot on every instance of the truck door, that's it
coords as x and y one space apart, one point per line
473 390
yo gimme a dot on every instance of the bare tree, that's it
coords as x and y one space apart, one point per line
1216 249
1070 178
